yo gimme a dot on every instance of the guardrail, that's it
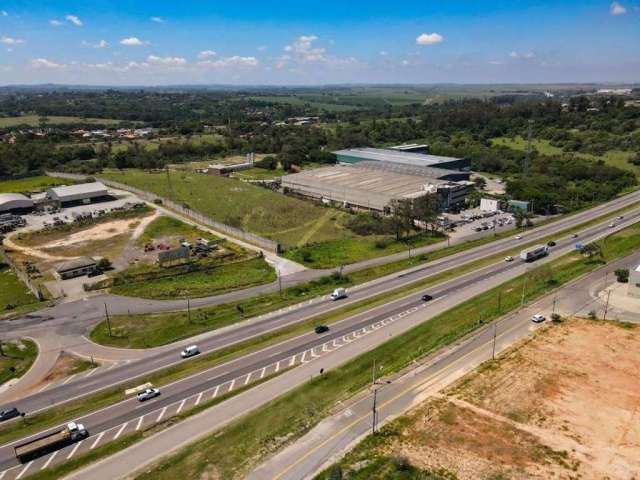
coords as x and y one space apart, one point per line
264 243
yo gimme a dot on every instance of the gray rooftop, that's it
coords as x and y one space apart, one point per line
12 197
79 189
80 262
395 156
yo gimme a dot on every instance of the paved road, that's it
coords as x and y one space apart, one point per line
343 342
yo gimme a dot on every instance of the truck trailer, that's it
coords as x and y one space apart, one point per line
533 253
71 433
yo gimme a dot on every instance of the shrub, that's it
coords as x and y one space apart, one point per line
592 315
622 275
556 318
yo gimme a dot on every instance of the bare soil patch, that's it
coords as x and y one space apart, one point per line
65 366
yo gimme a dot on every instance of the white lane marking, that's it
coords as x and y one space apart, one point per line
199 398
181 405
277 367
97 440
112 365
246 382
162 412
92 371
304 355
335 344
24 470
46 464
2 474
68 379
215 392
74 449
293 360
124 425
264 370
325 348
313 353
233 382
44 387
139 423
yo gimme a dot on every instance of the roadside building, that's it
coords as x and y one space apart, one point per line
366 188
80 194
76 268
399 157
15 203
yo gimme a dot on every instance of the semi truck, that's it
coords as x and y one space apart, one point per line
71 433
533 253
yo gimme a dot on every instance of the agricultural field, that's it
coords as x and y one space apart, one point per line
559 405
31 184
242 205
616 158
34 121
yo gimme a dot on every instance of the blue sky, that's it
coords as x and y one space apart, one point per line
318 42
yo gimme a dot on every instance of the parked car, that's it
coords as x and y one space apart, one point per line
339 293
148 394
321 329
426 297
190 351
551 243
508 258
9 413
538 318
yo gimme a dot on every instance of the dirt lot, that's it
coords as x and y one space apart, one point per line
564 404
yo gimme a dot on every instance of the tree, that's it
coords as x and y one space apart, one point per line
481 183
622 275
426 210
103 264
401 217
592 250
522 217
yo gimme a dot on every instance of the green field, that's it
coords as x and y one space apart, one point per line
616 158
13 293
31 184
252 208
17 358
163 227
34 121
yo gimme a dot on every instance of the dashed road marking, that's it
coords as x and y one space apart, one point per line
181 405
46 464
215 392
46 385
124 425
68 379
246 382
97 441
74 449
92 371
2 474
162 412
293 360
313 353
233 382
325 347
277 367
139 423
264 370
199 398
22 472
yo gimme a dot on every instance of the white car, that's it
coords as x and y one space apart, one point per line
538 318
518 237
190 351
148 394
611 225
508 259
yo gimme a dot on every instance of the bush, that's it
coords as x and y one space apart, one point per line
556 318
157 201
622 275
592 315
383 243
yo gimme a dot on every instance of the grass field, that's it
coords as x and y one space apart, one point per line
232 451
17 359
31 184
34 121
616 158
12 291
239 204
163 227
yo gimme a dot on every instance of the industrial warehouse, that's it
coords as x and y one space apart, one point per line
371 179
80 194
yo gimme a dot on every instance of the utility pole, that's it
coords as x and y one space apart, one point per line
555 299
606 307
106 314
495 331
374 418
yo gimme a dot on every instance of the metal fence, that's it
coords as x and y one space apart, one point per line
264 243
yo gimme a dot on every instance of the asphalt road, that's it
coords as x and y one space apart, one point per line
302 349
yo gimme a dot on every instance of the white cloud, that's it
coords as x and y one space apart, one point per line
55 23
133 41
429 39
525 55
100 44
302 51
44 63
262 48
4 13
207 54
405 63
74 19
617 9
383 53
158 19
230 62
167 61
11 40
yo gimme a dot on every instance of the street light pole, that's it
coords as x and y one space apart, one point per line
606 307
106 313
374 417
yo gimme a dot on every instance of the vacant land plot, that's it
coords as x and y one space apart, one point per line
31 184
17 358
35 121
560 405
236 203
13 293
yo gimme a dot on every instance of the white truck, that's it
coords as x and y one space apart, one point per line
339 293
533 253
72 432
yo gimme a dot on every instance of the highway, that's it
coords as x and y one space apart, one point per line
214 382
167 356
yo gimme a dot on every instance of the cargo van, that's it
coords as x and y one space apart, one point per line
190 351
339 293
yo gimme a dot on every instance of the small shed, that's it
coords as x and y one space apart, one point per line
76 268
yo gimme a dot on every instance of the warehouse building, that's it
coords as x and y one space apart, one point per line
399 157
80 194
372 189
76 268
412 148
15 203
